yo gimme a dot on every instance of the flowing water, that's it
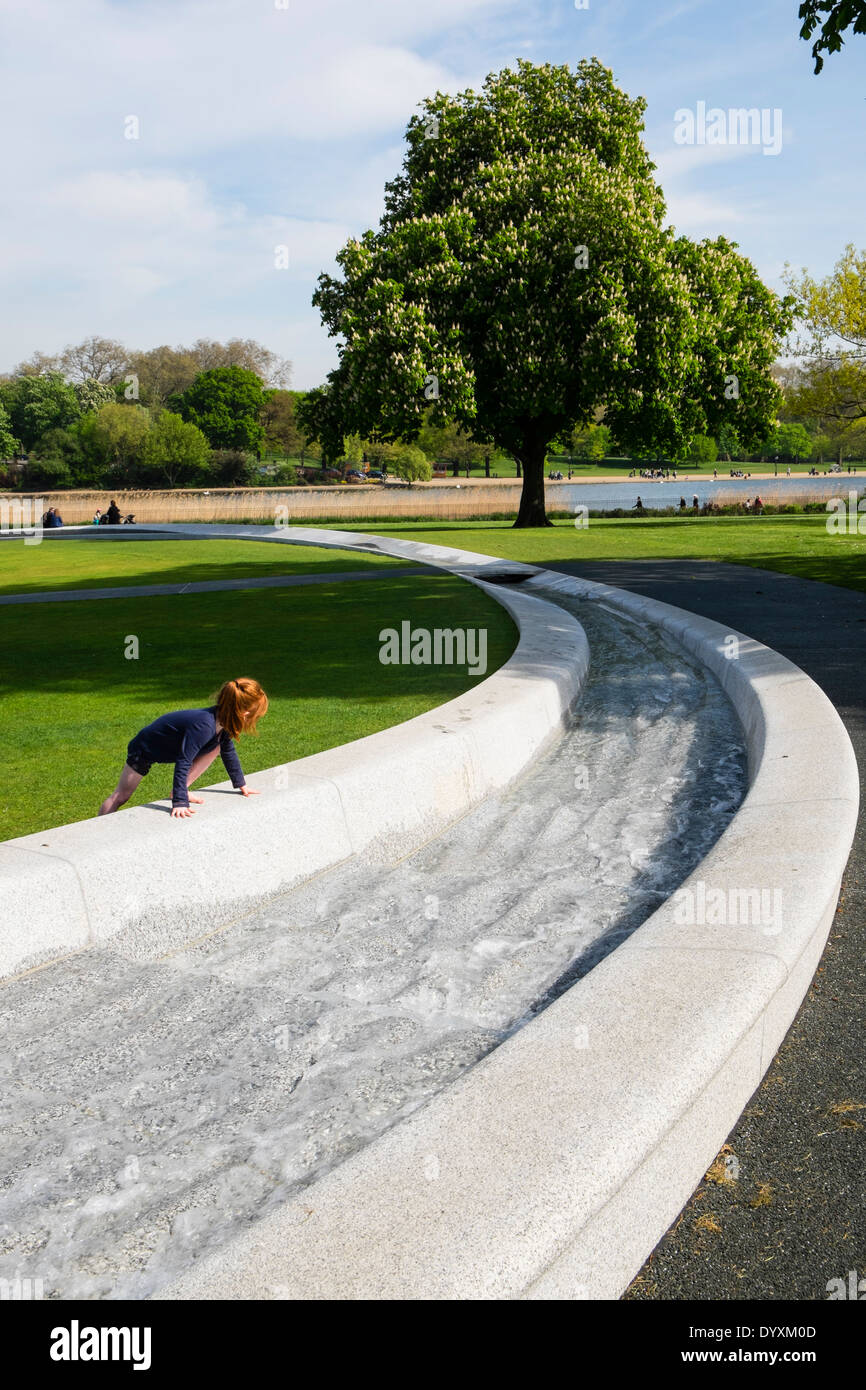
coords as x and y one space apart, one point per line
153 1107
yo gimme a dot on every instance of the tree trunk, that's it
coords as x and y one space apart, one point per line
532 510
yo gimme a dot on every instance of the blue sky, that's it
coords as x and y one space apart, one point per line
277 122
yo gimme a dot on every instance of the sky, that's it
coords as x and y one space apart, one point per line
156 152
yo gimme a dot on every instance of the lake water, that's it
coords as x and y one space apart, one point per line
605 497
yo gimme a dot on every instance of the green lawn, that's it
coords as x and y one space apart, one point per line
71 700
84 564
794 544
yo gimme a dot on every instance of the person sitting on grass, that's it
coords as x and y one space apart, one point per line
191 739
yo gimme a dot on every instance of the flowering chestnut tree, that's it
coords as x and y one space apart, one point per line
521 279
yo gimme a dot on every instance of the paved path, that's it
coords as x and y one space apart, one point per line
796 1217
206 586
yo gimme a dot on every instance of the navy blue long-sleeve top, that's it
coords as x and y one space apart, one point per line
179 738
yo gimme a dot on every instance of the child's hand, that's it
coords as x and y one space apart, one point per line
180 812
248 791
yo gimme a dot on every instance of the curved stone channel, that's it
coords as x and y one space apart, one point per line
153 1107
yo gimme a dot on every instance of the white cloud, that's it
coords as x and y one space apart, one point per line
101 233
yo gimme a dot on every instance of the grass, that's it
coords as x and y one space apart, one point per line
71 701
793 544
77 564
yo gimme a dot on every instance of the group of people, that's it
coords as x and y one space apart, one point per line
654 475
110 517
756 506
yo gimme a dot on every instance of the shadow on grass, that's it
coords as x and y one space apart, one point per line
279 561
317 642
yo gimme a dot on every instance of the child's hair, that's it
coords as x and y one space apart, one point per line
234 700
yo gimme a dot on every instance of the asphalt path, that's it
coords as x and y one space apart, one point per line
207 586
789 1213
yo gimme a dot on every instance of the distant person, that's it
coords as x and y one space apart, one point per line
191 739
682 504
759 504
638 506
97 517
695 502
113 513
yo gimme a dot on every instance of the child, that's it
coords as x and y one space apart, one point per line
191 739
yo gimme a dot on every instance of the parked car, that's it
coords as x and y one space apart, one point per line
374 476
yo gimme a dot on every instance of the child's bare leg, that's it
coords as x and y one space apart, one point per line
201 765
129 780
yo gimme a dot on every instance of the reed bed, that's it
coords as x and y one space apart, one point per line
780 497
365 502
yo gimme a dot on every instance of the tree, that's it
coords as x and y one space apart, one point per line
728 443
278 418
162 372
701 448
233 468
410 464
91 395
8 443
833 310
590 442
37 365
789 441
521 279
353 449
46 474
445 440
242 352
67 447
225 403
841 15
174 451
36 404
115 435
96 359
830 386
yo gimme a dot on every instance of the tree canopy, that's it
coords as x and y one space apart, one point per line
840 16
521 280
226 404
830 385
36 404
